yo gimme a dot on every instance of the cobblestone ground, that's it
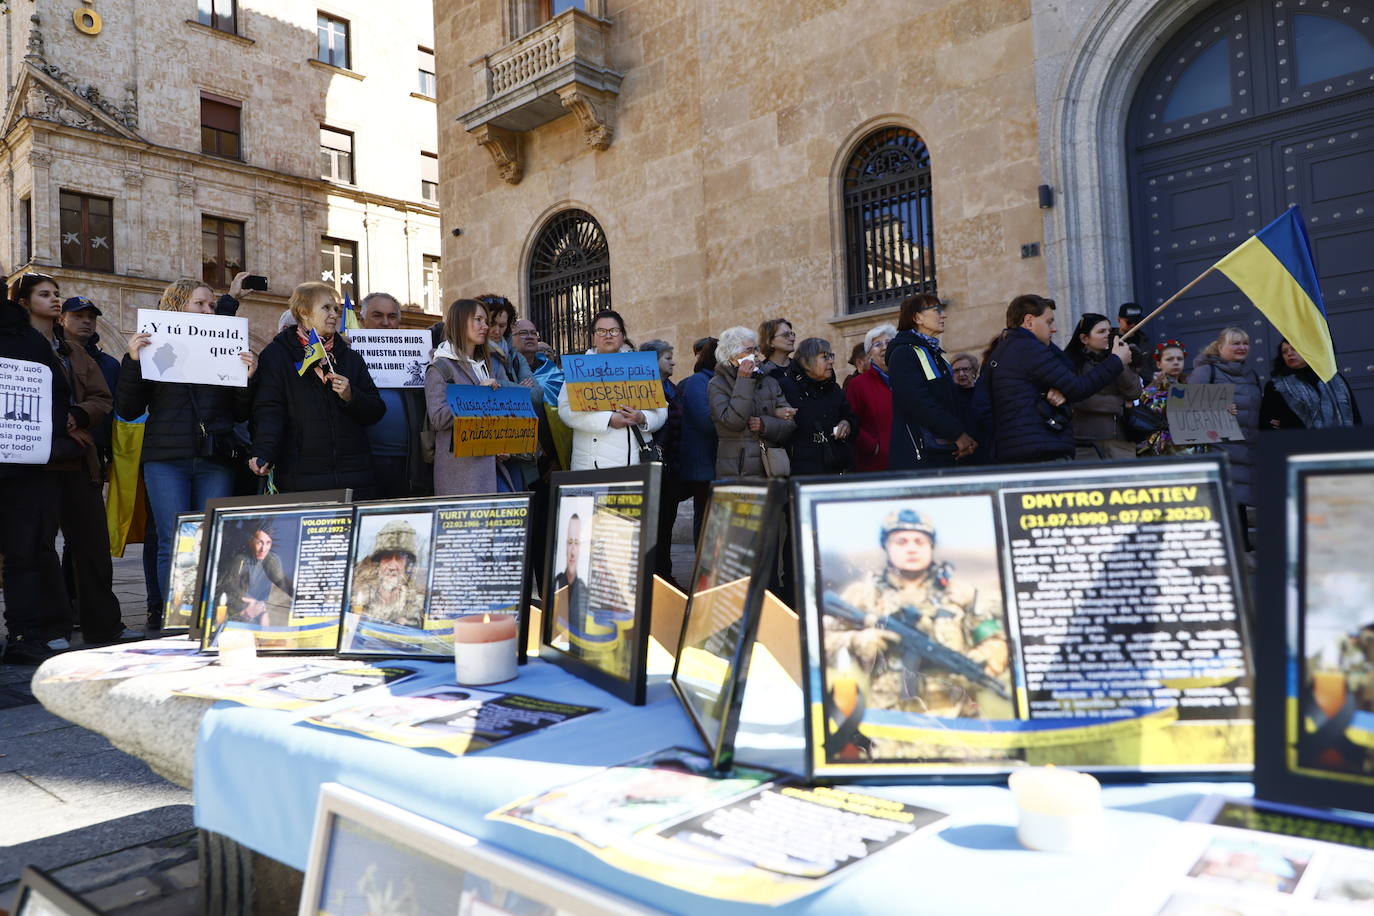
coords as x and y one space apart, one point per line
100 821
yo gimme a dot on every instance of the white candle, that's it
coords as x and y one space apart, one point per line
484 649
1060 810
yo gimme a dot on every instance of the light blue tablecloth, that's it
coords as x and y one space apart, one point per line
258 773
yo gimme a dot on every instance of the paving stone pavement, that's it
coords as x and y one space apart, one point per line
100 821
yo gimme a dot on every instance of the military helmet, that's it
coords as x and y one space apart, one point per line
907 520
396 537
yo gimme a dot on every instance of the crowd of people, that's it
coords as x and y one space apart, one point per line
757 402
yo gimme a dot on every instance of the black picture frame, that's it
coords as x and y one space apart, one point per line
323 497
898 721
37 885
643 481
178 616
338 516
762 530
409 511
1298 572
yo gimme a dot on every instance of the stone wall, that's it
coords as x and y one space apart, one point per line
148 65
719 193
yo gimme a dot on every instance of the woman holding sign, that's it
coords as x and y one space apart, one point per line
314 402
462 358
1223 363
603 438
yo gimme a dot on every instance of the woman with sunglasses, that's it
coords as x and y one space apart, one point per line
605 438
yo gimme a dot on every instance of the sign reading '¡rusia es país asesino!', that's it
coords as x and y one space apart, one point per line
606 381
191 348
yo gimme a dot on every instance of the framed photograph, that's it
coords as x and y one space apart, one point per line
419 564
1314 726
39 894
278 573
735 559
368 856
313 497
962 624
180 589
598 575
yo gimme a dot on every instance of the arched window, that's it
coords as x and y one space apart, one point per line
570 279
889 243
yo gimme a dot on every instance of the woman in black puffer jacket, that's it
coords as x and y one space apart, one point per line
825 422
188 436
311 427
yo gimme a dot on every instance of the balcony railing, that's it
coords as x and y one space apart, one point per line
559 68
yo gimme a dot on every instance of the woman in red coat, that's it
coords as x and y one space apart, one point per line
870 396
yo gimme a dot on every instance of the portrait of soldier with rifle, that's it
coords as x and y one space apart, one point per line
912 637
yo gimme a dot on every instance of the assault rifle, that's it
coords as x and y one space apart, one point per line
919 647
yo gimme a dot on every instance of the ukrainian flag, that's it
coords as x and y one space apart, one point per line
1274 269
314 352
351 321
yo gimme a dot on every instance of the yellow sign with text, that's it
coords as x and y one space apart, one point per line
479 436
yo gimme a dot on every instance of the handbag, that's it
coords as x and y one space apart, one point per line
775 460
224 445
1139 422
648 451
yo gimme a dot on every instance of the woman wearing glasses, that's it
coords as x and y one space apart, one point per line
605 438
926 427
777 343
825 422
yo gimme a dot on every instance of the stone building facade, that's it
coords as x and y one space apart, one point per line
720 163
144 141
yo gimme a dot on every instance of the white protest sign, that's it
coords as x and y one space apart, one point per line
1199 415
25 412
395 359
192 348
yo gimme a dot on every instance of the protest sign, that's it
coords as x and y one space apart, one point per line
25 412
605 381
1198 414
395 359
492 421
193 349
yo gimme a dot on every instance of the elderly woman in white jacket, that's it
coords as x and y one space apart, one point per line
602 438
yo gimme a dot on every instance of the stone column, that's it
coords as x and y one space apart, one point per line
129 232
189 222
45 202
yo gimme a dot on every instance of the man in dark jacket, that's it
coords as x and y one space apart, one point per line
397 456
78 321
927 431
29 500
1026 367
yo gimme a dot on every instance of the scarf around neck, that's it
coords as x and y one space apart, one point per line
1318 404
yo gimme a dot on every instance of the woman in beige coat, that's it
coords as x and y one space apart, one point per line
746 406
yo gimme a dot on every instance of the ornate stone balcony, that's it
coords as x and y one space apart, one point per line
557 69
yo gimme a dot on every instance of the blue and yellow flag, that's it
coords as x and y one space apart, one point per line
1274 269
351 321
314 352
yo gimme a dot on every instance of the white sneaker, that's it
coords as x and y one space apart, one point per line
59 644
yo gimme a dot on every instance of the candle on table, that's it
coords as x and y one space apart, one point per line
1060 810
484 648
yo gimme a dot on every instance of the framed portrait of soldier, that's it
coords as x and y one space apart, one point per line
962 624
179 611
420 564
1314 727
736 555
278 573
264 500
598 575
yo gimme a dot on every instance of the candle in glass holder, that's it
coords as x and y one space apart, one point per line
484 649
1060 810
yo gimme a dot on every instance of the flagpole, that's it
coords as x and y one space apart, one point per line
1168 302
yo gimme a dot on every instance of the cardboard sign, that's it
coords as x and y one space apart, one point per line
605 381
492 421
193 349
395 359
25 412
1198 415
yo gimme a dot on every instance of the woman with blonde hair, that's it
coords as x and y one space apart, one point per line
462 358
1223 363
188 441
310 410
